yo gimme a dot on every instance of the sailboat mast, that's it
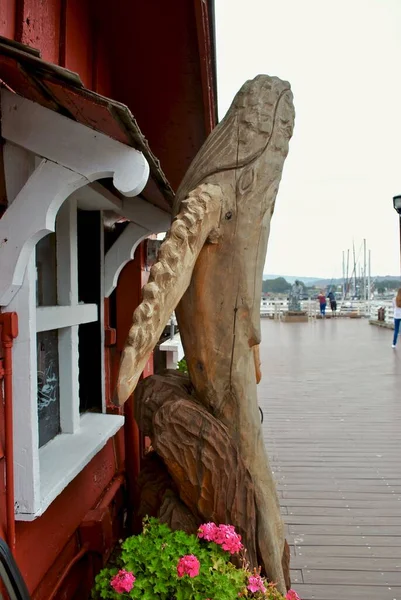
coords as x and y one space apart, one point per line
369 275
343 274
364 270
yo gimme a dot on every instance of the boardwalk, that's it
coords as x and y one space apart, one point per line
331 393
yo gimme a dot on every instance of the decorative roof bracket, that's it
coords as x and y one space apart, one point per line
121 252
73 155
71 144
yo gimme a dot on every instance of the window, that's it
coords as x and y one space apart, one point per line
61 318
48 386
59 420
90 244
63 289
72 253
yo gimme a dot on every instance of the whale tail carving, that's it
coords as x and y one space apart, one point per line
169 278
217 290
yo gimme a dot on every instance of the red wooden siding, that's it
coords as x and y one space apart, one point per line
38 25
79 52
148 56
40 542
159 76
7 18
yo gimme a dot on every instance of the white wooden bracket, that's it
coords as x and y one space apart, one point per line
73 155
145 219
31 216
121 252
96 197
71 144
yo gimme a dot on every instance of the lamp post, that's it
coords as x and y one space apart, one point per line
397 207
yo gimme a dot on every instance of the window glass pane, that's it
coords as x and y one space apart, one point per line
48 386
89 273
46 265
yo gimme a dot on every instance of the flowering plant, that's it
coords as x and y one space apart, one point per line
172 565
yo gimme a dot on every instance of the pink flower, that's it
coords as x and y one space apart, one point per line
123 581
292 595
207 531
228 539
188 565
223 535
255 584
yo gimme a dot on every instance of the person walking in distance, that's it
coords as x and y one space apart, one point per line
333 302
397 316
322 301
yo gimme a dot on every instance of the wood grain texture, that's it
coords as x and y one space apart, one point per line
212 441
176 515
168 280
153 483
331 398
219 314
204 463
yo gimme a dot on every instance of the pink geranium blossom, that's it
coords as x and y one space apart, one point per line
228 539
207 531
292 595
188 565
223 535
123 581
255 584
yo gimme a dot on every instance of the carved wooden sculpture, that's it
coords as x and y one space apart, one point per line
207 430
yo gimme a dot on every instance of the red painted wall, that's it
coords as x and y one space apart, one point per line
159 77
7 18
39 543
79 52
66 33
128 296
146 55
3 517
38 25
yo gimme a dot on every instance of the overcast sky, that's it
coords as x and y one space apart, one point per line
343 60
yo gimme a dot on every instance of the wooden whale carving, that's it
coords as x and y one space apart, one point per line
209 271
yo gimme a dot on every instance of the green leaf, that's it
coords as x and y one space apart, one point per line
153 557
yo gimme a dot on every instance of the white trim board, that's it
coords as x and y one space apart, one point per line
57 317
25 391
174 349
69 454
30 489
95 196
77 147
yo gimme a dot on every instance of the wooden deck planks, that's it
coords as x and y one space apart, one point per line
347 592
340 563
331 394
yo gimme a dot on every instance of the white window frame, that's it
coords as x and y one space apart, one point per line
67 316
55 464
49 158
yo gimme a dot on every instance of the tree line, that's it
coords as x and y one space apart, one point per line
280 285
277 286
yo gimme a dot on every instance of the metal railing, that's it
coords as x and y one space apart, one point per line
377 305
277 308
